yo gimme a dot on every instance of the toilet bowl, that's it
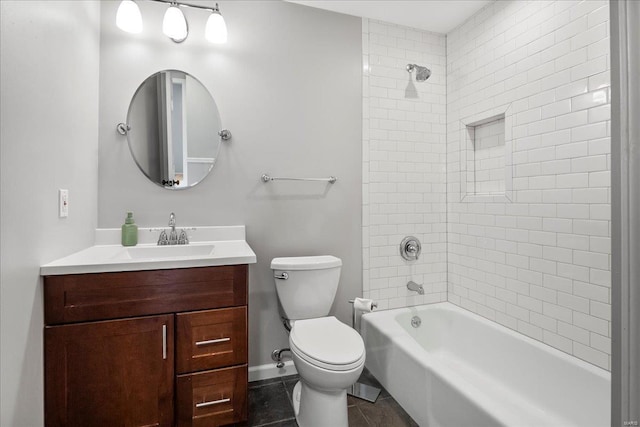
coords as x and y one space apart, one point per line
329 357
328 354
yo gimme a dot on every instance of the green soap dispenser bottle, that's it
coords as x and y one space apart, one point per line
129 231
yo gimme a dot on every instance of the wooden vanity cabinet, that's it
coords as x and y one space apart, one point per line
146 348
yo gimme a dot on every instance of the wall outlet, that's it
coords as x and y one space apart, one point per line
63 203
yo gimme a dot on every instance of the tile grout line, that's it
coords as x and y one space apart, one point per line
363 414
276 422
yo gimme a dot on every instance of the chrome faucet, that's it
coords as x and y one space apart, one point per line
413 286
172 238
173 235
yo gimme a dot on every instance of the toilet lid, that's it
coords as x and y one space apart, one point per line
327 340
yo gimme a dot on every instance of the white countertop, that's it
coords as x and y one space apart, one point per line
228 244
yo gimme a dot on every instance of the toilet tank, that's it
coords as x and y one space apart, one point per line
310 285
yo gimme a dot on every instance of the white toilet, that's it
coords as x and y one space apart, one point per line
328 354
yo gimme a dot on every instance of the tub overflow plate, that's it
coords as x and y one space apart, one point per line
416 321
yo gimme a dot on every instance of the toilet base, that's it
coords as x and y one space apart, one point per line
315 408
295 398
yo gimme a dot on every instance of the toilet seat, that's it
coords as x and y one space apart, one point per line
327 343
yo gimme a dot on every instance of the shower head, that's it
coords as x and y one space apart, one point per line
422 73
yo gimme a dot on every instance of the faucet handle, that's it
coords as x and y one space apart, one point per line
183 239
163 239
410 248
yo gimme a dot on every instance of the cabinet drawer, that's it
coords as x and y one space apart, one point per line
212 398
211 339
97 296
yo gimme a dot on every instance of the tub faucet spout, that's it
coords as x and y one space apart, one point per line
413 286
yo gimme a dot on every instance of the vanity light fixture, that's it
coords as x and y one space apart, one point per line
216 29
128 17
174 23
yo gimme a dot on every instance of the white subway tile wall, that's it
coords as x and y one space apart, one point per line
404 163
540 264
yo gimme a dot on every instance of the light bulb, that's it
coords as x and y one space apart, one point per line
174 25
216 29
128 17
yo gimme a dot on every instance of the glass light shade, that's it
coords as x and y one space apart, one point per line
174 25
128 17
216 29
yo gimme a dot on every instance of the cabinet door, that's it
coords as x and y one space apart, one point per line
112 373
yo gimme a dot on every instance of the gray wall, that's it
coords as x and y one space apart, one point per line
288 85
49 115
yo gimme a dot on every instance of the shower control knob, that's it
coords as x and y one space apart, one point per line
410 248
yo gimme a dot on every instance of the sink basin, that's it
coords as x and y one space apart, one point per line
167 252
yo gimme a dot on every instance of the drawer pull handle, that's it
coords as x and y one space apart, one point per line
207 342
213 402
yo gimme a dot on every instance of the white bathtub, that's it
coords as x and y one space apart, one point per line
458 369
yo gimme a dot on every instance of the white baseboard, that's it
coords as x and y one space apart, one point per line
263 372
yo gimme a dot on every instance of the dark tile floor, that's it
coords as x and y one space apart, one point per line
270 405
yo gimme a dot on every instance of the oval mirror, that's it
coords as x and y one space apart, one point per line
172 128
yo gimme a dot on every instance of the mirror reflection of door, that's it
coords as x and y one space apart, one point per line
178 143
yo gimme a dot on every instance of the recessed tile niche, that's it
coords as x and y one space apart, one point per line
485 157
